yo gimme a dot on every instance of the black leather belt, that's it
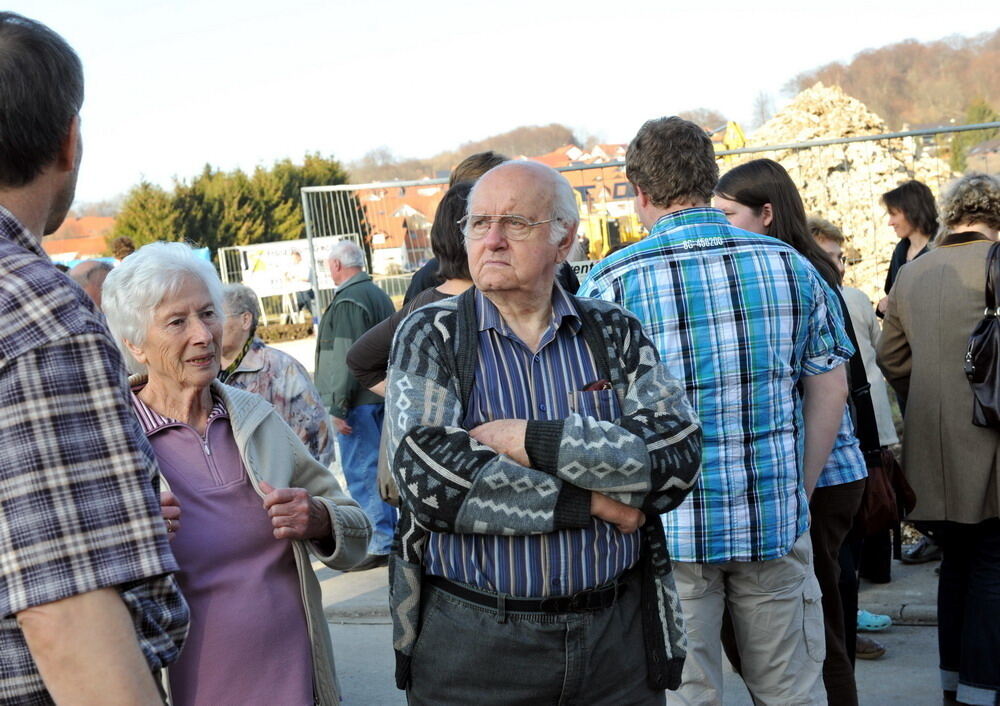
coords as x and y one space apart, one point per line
589 600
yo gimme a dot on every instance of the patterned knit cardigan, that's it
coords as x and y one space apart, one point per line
448 482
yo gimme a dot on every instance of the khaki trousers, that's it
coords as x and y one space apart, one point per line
778 620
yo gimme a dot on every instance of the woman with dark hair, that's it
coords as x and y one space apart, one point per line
368 358
759 196
914 218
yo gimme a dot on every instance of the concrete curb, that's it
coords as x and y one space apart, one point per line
906 613
344 614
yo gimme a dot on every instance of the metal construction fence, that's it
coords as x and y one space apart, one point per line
841 179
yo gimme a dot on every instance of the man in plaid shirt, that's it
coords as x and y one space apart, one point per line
757 338
88 607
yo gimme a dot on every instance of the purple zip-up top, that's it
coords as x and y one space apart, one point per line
249 641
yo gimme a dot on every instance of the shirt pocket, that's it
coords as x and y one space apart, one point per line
602 405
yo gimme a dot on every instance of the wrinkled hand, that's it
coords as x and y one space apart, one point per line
341 426
295 514
505 436
170 508
627 519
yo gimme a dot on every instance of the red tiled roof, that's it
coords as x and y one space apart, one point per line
87 236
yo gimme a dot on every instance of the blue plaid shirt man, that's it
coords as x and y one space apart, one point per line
699 284
79 509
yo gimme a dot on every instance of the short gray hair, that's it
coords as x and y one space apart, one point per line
347 253
145 278
973 198
563 198
240 298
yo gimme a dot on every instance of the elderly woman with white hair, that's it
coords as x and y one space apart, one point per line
255 503
953 466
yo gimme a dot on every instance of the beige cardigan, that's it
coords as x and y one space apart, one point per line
272 452
935 304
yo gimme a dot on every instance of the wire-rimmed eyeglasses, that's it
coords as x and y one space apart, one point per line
514 227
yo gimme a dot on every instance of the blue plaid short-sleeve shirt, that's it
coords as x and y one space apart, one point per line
738 317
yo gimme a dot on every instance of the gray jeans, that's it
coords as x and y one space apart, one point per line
469 654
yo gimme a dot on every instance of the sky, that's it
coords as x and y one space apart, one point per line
172 86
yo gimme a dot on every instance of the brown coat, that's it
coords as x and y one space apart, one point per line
934 305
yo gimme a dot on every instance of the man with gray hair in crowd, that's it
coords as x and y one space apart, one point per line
90 275
89 609
356 412
531 434
250 364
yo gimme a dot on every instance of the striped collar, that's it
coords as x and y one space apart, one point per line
699 215
152 421
563 312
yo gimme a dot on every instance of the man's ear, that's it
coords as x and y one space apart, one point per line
246 320
68 156
641 199
566 243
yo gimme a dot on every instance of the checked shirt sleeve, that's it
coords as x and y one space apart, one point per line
78 496
448 481
77 477
648 458
828 345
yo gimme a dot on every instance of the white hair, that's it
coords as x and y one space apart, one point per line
563 198
142 282
347 253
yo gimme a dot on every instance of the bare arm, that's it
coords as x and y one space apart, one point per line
823 400
86 650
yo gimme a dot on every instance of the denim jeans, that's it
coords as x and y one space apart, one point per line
969 609
359 460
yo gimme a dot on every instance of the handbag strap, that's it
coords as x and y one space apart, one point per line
866 425
992 276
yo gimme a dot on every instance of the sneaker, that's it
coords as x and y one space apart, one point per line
872 622
923 551
867 648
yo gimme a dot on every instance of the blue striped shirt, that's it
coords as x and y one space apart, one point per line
846 463
738 317
512 382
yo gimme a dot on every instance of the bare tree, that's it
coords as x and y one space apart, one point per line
763 109
707 118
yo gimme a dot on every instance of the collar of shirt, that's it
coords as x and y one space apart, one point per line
13 230
152 421
564 313
673 226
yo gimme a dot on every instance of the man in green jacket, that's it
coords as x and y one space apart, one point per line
357 413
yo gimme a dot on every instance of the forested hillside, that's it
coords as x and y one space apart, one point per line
914 83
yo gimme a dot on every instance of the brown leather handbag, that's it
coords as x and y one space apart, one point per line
888 497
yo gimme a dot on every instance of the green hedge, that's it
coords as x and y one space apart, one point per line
284 332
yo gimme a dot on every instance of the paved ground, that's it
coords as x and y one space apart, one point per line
356 605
